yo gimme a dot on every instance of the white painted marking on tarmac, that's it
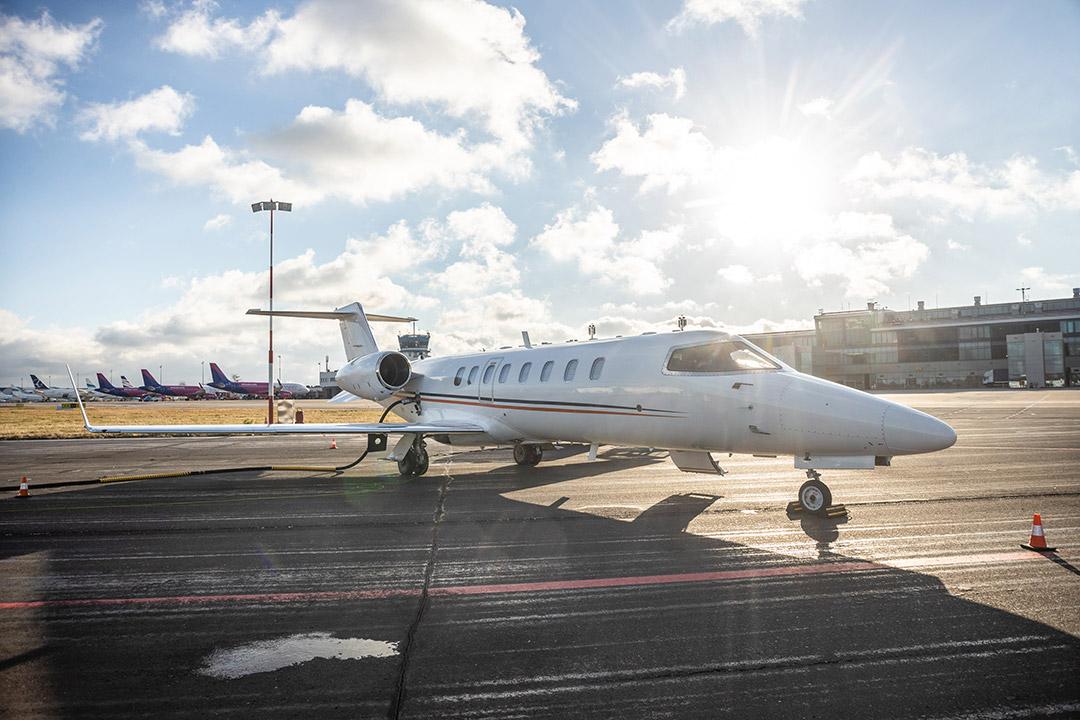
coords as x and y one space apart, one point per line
269 655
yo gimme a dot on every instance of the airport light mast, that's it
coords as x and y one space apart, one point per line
271 205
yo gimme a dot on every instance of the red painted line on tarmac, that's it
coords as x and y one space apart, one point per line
453 590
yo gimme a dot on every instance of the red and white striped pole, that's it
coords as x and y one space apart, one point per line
270 356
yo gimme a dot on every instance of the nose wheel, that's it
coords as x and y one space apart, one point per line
814 495
527 455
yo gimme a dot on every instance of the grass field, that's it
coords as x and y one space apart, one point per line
45 421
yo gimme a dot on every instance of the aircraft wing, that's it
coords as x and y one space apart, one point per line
282 428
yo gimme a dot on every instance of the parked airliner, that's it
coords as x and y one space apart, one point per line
693 393
151 385
51 393
125 391
221 381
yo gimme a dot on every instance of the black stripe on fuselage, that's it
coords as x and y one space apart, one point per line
599 406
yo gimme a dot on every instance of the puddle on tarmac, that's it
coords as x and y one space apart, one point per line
270 655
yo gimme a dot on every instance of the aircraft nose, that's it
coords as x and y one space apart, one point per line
910 431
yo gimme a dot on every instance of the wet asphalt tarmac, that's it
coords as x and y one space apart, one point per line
621 587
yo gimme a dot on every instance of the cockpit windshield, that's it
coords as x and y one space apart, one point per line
717 357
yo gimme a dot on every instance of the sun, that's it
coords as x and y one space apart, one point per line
771 190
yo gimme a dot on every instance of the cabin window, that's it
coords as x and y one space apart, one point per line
472 374
524 374
545 372
716 357
571 369
489 371
596 369
504 373
460 375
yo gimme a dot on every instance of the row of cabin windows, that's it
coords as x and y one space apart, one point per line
523 374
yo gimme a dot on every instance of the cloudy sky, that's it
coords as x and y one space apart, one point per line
491 168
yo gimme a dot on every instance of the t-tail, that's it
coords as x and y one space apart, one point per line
37 383
103 382
148 379
219 377
355 325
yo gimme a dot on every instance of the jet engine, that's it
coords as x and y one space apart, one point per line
376 376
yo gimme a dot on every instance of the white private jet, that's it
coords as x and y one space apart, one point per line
693 393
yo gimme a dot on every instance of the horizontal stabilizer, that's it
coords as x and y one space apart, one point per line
328 315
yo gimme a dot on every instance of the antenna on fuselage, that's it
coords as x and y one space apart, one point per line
525 338
592 331
681 322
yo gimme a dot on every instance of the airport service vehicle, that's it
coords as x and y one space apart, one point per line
107 388
221 381
151 385
51 393
693 393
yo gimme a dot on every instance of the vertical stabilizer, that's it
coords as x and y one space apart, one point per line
103 382
37 382
218 376
356 332
148 379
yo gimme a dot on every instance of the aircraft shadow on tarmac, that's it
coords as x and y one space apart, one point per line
768 639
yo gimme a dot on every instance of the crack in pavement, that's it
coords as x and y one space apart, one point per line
421 607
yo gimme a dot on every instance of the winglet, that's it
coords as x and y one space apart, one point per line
78 398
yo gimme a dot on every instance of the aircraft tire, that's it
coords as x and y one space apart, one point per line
527 455
407 465
422 461
815 496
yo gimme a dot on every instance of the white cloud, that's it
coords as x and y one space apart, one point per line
467 57
1016 186
356 155
161 110
957 246
1023 240
748 13
197 32
819 107
590 238
228 172
482 233
496 320
218 221
676 78
31 55
742 275
1048 282
670 152
865 269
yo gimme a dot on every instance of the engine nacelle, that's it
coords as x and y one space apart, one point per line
376 376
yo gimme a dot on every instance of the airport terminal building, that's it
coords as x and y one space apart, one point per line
1034 343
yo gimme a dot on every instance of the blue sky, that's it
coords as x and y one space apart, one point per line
493 168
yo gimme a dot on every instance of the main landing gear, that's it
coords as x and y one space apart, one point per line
415 462
527 455
814 495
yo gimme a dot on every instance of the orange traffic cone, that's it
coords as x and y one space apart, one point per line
24 488
333 444
1038 539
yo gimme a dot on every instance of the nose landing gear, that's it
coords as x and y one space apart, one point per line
814 495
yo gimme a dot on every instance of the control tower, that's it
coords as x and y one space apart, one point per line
414 345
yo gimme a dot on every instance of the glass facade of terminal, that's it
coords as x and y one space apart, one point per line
965 346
